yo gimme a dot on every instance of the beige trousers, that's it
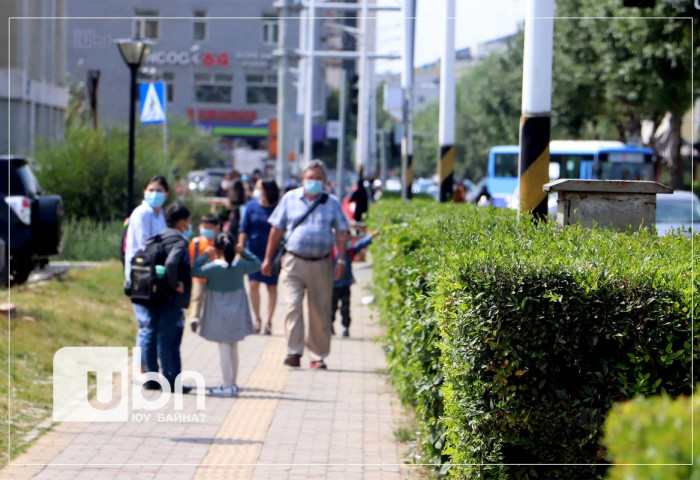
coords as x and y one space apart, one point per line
315 278
199 292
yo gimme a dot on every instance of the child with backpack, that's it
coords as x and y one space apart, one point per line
208 229
226 318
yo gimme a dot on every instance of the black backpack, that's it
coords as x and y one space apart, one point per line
146 287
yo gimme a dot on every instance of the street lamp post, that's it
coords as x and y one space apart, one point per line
134 52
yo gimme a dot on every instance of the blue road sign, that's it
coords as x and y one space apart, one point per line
152 99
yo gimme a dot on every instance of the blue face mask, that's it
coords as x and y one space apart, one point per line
206 232
187 233
154 199
313 187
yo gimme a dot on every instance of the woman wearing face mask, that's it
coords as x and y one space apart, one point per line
145 221
253 234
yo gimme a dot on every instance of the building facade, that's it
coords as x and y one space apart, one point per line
32 74
216 58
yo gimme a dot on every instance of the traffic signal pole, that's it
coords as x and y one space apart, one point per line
446 152
308 54
533 171
409 9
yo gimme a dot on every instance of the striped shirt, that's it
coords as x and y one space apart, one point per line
315 236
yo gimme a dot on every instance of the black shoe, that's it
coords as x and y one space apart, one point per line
151 385
186 389
293 360
332 330
346 332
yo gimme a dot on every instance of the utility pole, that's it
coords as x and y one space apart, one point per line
310 78
361 150
341 136
533 171
409 8
283 94
446 165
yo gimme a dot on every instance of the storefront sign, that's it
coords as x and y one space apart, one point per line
254 59
185 58
210 114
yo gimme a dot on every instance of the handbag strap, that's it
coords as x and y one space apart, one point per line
321 199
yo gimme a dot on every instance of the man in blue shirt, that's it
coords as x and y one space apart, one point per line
307 267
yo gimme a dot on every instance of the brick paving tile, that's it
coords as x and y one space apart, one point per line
287 423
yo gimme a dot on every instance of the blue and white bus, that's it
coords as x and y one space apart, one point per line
586 159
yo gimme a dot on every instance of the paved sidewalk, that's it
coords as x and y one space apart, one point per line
286 423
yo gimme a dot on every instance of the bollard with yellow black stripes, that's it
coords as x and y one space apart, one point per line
534 164
446 169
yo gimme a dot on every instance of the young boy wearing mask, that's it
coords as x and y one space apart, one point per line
208 230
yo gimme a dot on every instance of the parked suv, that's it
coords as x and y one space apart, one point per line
30 223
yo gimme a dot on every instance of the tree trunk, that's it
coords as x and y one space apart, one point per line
675 162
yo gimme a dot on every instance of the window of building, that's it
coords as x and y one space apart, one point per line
270 30
261 89
145 25
169 79
213 88
199 25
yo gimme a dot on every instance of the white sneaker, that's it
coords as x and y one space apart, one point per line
222 391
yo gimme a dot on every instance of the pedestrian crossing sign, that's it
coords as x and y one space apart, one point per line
151 97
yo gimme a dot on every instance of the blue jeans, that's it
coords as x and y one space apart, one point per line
149 354
165 332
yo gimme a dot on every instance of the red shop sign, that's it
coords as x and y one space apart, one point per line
215 115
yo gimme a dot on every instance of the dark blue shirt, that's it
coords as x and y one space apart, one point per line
255 224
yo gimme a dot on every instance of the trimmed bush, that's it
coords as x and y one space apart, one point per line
654 431
540 330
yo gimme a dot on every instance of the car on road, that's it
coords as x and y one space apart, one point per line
31 228
679 211
426 185
393 185
206 181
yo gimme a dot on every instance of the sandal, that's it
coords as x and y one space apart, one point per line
268 329
257 326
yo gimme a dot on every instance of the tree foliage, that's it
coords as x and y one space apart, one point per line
88 168
612 68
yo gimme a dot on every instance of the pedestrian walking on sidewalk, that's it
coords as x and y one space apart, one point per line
253 235
226 317
311 222
208 229
341 288
145 221
165 321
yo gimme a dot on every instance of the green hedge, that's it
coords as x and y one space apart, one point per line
656 432
512 339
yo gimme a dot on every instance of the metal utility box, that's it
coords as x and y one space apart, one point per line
619 204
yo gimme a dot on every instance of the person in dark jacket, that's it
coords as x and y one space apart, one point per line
360 198
166 321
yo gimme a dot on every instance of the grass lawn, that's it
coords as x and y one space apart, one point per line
85 308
